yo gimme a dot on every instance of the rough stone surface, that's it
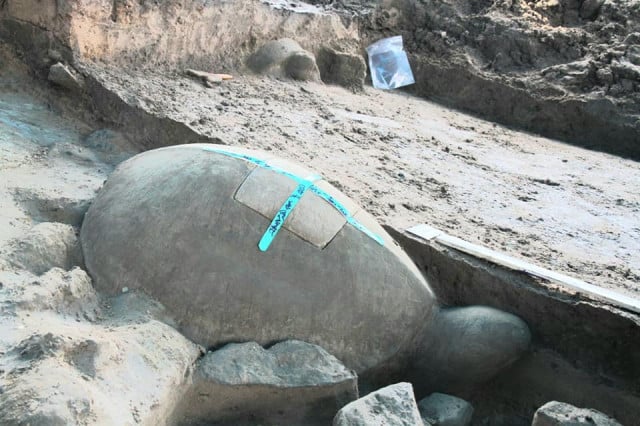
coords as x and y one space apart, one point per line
445 410
47 245
473 342
556 413
66 359
284 58
292 383
61 75
344 68
394 405
197 254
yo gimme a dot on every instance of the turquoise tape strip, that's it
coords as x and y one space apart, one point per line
283 213
342 209
294 198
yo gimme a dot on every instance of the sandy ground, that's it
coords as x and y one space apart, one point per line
38 156
409 161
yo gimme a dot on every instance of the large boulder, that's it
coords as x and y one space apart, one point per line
183 223
466 345
292 383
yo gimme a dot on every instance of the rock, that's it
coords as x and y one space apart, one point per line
272 54
195 216
476 340
63 76
604 76
47 245
347 292
302 66
54 55
589 9
284 58
394 405
439 409
342 68
293 383
556 413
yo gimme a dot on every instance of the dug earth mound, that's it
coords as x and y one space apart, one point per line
243 246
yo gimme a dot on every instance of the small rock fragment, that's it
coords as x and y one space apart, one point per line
393 405
63 76
556 413
439 409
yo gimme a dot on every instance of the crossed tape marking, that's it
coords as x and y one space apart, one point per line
304 185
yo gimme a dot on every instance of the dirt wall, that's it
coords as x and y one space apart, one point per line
562 69
214 35
566 69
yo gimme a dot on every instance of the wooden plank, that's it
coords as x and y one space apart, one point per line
429 233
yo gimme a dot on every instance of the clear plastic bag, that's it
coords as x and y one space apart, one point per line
389 64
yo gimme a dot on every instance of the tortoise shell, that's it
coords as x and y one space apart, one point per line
239 245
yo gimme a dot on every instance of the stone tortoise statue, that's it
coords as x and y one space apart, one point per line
239 245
